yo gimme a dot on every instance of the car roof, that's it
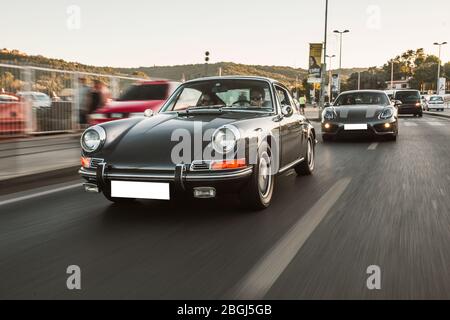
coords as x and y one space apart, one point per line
216 78
156 82
370 91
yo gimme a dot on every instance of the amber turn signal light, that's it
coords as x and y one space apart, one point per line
228 164
85 162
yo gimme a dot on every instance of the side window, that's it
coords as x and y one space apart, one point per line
187 98
283 96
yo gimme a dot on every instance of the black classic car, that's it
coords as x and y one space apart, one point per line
212 136
360 113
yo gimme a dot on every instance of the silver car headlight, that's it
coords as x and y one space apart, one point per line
93 139
386 114
225 138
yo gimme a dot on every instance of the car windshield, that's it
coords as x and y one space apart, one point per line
229 94
436 99
362 98
6 98
407 96
145 92
41 97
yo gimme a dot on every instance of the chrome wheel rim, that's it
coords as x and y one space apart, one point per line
265 177
310 155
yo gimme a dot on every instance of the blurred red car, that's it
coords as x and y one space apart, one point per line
13 118
138 98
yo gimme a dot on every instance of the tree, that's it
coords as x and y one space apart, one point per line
9 83
140 74
374 78
405 64
447 70
425 74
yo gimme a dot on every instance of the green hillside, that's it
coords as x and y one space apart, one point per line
286 75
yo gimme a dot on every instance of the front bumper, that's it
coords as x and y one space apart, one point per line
225 181
409 109
376 128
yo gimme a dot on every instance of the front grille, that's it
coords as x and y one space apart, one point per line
95 162
200 165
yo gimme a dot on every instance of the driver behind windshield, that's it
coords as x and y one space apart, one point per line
257 97
205 100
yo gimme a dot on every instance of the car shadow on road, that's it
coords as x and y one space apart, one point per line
357 139
169 212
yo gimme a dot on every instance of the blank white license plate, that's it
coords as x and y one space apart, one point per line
140 190
355 126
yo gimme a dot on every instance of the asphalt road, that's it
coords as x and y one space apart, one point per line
369 203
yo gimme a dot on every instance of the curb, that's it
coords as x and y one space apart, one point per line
434 114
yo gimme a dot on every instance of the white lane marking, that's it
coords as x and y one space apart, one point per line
263 275
39 194
373 146
410 124
435 124
434 203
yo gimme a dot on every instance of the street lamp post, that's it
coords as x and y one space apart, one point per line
330 93
439 64
324 66
340 52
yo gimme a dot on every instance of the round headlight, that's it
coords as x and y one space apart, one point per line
224 139
93 138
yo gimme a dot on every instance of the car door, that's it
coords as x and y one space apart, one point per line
290 129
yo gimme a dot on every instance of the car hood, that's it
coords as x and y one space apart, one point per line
358 114
131 106
148 144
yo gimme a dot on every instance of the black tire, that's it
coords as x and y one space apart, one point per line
257 194
420 115
306 167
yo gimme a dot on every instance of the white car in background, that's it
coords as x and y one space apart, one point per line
38 99
438 103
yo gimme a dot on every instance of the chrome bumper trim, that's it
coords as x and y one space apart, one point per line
188 176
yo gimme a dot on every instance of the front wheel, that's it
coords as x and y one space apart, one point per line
257 194
306 167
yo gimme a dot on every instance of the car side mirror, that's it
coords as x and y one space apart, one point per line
148 113
287 111
397 103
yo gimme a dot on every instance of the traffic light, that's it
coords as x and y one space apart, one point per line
206 56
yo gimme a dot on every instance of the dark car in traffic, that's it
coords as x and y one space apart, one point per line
360 113
408 102
213 136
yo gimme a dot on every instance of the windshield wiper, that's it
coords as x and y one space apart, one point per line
202 109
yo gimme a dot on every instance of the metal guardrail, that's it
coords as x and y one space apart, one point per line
36 100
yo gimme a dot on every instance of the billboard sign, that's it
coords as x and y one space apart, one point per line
441 89
315 63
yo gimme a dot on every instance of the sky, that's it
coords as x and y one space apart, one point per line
135 33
